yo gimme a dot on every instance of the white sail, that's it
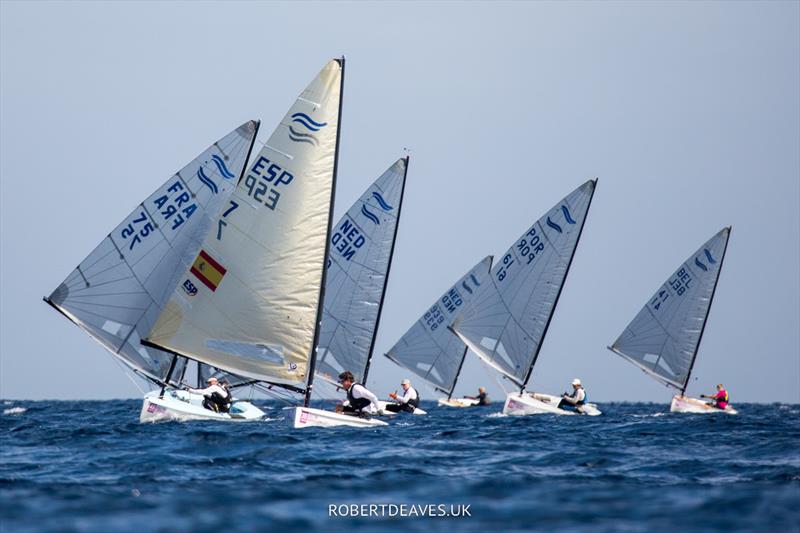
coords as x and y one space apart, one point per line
260 269
507 319
428 348
117 292
360 256
663 338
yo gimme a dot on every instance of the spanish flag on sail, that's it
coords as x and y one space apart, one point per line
208 271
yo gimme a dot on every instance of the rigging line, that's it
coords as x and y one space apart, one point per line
127 372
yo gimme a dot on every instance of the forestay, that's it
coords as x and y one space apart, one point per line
507 320
118 291
428 348
360 255
255 285
664 337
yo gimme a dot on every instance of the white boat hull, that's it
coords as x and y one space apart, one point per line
534 403
686 404
181 405
417 411
306 417
457 402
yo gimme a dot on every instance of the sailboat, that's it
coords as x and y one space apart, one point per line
664 338
506 321
260 271
116 293
429 349
361 251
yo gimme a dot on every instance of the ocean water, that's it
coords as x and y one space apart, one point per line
91 467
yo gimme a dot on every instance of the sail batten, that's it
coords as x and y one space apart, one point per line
116 292
506 322
361 249
259 270
428 348
664 337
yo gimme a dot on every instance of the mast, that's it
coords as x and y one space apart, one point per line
169 374
312 363
564 282
386 282
458 372
708 311
249 152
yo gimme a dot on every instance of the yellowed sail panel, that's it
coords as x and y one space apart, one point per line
249 302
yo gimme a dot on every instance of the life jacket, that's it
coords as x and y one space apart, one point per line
415 402
223 403
721 403
585 397
357 403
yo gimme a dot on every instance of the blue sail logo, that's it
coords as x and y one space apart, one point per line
708 257
369 214
567 217
222 168
308 123
381 201
206 180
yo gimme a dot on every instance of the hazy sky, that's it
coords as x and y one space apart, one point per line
688 113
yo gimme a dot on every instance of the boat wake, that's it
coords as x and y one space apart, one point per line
14 410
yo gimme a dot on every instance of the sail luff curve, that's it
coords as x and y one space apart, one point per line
361 249
664 337
505 323
428 348
259 271
117 291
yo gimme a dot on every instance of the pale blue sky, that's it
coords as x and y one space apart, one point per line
687 113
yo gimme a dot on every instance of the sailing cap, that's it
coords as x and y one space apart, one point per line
346 376
576 381
405 382
212 378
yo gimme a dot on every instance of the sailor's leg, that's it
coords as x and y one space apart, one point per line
393 407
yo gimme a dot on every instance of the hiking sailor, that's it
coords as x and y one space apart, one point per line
215 397
358 396
408 402
720 399
572 401
482 397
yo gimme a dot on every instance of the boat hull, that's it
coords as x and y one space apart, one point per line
534 403
417 411
180 406
457 402
307 417
686 404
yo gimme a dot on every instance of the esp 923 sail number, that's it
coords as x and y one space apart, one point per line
264 182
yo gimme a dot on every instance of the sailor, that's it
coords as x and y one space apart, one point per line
358 396
408 402
571 401
215 397
720 399
482 397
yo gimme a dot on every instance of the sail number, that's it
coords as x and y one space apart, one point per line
347 239
433 318
452 300
528 247
263 182
681 281
138 229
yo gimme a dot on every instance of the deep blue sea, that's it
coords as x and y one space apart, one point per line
90 466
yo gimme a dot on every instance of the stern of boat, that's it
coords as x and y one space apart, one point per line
306 417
